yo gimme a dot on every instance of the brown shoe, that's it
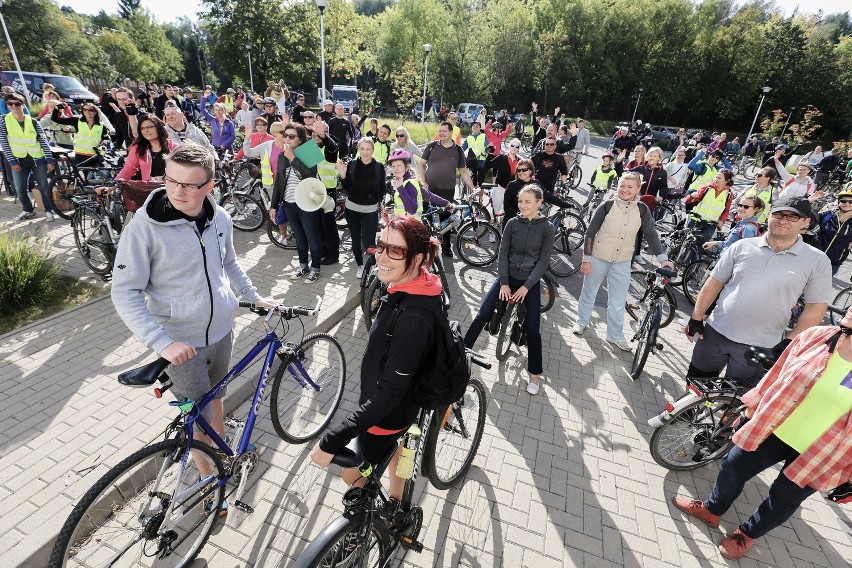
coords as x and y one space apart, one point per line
736 545
695 508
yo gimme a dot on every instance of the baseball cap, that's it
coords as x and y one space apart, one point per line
328 102
230 90
799 205
782 147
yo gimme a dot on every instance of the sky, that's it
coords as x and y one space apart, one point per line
169 10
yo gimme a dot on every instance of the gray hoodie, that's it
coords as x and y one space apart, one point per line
525 249
172 284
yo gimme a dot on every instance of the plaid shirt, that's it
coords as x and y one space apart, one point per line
827 463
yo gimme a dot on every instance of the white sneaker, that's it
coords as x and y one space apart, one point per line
285 242
532 387
578 329
24 215
359 272
300 273
621 344
49 216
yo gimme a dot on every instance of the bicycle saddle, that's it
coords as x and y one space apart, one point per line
667 272
765 356
144 376
347 458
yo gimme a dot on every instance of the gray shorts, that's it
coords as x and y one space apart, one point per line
194 378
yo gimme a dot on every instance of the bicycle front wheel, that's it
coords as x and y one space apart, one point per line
454 436
504 338
149 510
647 339
637 293
478 243
306 396
696 434
60 191
565 260
92 237
246 212
694 277
575 176
372 300
273 232
548 293
337 546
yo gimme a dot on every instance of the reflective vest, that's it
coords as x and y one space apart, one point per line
24 142
229 104
604 179
708 177
399 206
808 186
327 172
380 151
711 206
765 195
87 139
477 144
265 170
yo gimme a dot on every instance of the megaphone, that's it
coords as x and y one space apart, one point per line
311 195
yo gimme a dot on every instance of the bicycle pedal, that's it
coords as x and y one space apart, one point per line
411 544
244 507
659 346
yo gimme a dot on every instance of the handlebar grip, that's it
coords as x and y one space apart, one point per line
479 360
245 304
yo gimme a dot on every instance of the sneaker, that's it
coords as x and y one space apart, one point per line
24 215
621 344
359 272
532 387
578 329
209 506
285 242
300 273
49 216
696 508
736 545
313 276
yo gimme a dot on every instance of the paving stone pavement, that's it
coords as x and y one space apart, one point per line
563 478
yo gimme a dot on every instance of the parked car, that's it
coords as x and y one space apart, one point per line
467 112
74 92
664 134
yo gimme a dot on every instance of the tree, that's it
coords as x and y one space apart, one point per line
126 8
371 7
406 87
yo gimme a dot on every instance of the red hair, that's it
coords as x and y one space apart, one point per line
418 240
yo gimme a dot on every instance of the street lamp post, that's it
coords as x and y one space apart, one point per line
321 4
635 110
251 75
765 90
14 56
427 48
787 122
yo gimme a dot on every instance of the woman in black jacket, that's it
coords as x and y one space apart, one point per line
392 364
524 173
364 180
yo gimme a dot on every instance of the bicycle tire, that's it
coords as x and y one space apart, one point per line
564 260
477 243
299 411
246 211
323 551
274 235
504 336
575 174
117 507
674 444
647 339
372 301
637 293
548 293
367 274
451 446
91 235
243 178
694 276
438 268
842 300
60 191
665 218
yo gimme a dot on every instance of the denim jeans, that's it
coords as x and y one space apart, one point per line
362 228
21 180
705 229
617 276
784 496
532 323
306 227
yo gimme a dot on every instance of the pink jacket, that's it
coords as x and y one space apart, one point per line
134 163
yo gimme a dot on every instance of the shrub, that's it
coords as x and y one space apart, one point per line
27 275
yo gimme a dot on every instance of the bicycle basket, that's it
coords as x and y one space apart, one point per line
134 194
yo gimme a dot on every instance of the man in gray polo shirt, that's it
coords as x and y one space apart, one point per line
757 282
437 171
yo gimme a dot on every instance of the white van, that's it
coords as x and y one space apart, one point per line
467 112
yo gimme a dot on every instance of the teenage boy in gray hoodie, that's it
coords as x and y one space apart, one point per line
173 274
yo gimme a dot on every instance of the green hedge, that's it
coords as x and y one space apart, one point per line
27 276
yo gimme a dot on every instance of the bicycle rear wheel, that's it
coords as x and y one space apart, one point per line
665 218
694 276
637 293
246 212
60 192
842 300
93 240
548 293
121 521
695 435
564 259
504 337
454 436
647 340
301 410
335 548
372 301
477 243
274 234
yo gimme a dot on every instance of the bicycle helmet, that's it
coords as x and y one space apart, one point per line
399 154
269 101
608 155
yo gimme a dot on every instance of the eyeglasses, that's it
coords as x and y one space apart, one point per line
148 127
844 201
522 170
291 136
741 206
308 116
14 103
89 109
187 186
551 144
394 252
779 215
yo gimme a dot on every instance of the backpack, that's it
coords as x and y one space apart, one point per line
445 380
643 208
431 146
756 226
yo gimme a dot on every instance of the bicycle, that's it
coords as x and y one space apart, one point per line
695 275
510 318
649 325
477 242
569 237
669 215
575 173
697 428
246 211
75 177
370 530
158 506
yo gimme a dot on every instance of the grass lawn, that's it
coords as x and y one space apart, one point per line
68 293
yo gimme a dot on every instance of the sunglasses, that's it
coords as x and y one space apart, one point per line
308 116
394 252
514 146
844 201
291 136
551 144
745 206
400 135
522 170
14 103
762 175
148 127
788 216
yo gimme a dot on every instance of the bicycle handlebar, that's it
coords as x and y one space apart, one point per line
478 359
286 312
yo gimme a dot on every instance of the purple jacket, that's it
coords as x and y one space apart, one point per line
223 135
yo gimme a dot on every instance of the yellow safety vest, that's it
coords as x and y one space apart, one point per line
24 142
399 206
327 172
477 144
707 178
711 206
266 169
765 196
87 139
380 152
602 178
229 104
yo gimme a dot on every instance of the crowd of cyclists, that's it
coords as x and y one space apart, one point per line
779 239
